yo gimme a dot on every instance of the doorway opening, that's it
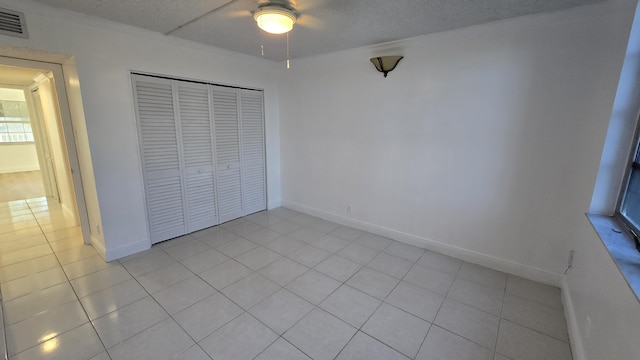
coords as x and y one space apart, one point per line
41 175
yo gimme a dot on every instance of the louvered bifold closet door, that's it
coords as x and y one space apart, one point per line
159 146
197 143
253 149
227 140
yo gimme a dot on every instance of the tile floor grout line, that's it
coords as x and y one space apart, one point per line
76 299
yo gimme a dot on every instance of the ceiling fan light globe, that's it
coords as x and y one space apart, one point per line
275 21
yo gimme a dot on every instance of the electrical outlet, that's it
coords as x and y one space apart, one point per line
349 209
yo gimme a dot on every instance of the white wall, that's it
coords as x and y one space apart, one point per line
484 140
105 53
18 157
484 143
606 313
56 138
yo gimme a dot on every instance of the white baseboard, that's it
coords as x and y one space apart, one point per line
274 204
126 250
572 322
491 262
98 245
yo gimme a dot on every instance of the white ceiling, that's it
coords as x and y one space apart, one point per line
323 25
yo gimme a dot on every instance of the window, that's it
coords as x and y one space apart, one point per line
15 126
629 208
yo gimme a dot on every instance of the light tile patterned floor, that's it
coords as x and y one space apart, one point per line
273 285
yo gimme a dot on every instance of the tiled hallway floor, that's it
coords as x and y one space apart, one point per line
273 285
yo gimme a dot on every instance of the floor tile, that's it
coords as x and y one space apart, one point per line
518 342
76 254
236 247
282 350
26 306
285 227
42 327
347 233
320 335
373 241
358 253
206 316
475 325
373 282
313 286
112 298
330 243
263 236
99 280
180 240
309 256
193 353
244 228
477 296
85 267
429 279
102 356
183 294
404 251
187 249
324 226
204 261
163 341
250 290
415 300
225 274
338 268
33 283
285 245
540 293
397 329
79 343
306 235
283 271
128 321
147 263
283 213
364 347
281 310
217 238
24 254
67 244
536 316
304 219
483 276
243 338
258 258
28 267
265 220
441 344
350 305
163 277
440 262
390 265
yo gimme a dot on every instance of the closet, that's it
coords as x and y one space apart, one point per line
203 153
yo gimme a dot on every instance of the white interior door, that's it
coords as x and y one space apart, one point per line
253 149
45 159
227 140
198 154
159 143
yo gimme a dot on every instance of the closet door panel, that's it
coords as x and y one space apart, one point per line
253 152
227 143
197 152
159 147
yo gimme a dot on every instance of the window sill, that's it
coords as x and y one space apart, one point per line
621 247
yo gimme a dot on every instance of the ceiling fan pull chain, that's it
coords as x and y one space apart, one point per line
288 60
